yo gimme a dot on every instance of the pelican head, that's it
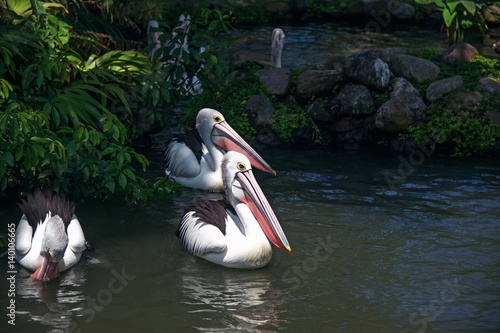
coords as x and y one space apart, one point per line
54 243
242 187
213 128
278 39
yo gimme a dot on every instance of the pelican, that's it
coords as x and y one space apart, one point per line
193 159
192 85
232 232
154 36
278 39
49 238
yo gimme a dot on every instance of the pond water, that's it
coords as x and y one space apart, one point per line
370 253
315 43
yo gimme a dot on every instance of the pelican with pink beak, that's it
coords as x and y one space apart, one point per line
237 231
193 158
49 238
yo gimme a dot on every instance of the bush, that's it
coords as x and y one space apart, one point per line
57 127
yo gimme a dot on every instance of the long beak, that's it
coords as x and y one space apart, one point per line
258 204
228 139
48 270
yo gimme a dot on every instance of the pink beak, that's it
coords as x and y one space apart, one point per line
261 209
228 139
48 270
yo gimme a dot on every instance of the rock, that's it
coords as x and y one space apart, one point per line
353 132
354 100
399 112
290 100
463 99
235 75
494 116
339 63
260 110
491 14
276 81
440 88
316 83
317 111
388 53
459 53
492 88
371 71
487 80
414 68
400 85
384 54
402 11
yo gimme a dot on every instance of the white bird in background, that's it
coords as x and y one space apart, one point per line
194 158
49 238
278 39
234 232
191 85
153 36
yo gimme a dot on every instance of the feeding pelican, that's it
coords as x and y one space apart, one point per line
278 39
49 238
193 159
232 232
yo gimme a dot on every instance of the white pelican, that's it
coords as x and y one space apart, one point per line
278 39
154 36
232 232
49 238
193 159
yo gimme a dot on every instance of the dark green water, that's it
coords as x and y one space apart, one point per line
315 43
420 256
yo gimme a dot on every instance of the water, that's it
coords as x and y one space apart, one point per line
315 43
421 256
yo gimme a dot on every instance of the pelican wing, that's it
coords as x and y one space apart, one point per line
76 238
183 155
24 236
200 237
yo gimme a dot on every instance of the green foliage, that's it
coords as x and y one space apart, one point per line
171 80
465 132
57 127
458 16
288 119
322 9
232 97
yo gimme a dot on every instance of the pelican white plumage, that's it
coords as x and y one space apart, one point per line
278 40
49 238
193 159
234 232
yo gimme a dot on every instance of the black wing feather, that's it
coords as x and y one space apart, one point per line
211 212
41 202
192 140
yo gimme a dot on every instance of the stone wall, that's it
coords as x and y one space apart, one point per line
339 97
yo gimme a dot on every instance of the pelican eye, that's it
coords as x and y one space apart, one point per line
241 166
217 119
